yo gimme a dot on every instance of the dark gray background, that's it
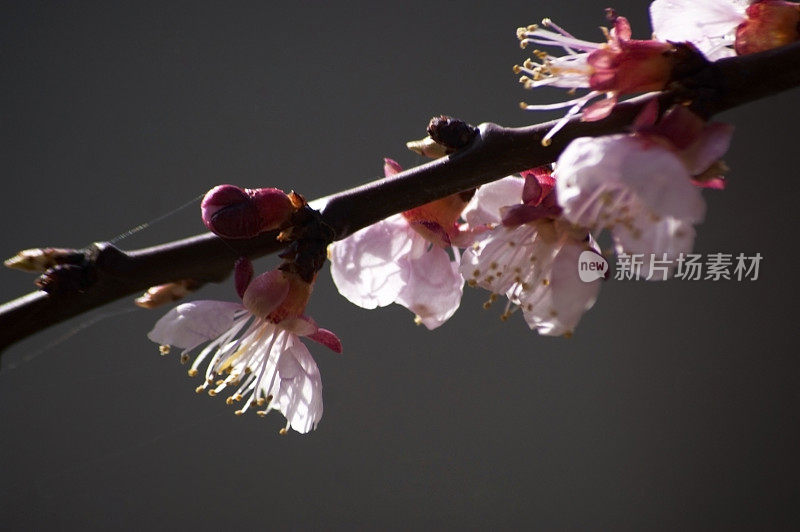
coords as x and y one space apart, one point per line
675 404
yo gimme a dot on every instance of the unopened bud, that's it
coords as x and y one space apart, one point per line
41 259
233 212
427 147
451 132
166 293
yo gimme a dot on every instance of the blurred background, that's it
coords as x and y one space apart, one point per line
675 405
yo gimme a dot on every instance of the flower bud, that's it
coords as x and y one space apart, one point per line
166 293
233 212
41 259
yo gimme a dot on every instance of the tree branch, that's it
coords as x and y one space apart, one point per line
494 153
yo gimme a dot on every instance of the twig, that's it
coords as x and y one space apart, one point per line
494 153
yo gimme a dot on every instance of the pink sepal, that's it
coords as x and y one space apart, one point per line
328 339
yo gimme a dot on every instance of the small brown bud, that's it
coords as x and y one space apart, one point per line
451 132
166 293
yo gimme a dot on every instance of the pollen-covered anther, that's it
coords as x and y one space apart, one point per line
238 412
192 372
199 389
184 358
163 349
212 393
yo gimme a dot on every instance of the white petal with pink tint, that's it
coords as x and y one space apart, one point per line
297 391
668 238
712 143
708 24
365 265
433 287
190 324
556 309
390 262
536 266
605 179
485 205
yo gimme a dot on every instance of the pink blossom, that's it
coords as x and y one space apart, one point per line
612 69
641 186
255 348
530 255
403 260
722 28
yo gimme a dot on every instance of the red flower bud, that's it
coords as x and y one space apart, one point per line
233 212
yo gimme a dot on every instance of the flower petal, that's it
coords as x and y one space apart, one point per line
708 24
433 287
485 205
266 292
190 324
297 393
595 172
667 238
365 265
556 309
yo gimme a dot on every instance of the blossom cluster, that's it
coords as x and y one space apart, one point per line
521 237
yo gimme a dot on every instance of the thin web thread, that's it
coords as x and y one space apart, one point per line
156 220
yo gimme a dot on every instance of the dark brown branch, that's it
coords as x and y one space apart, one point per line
494 153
